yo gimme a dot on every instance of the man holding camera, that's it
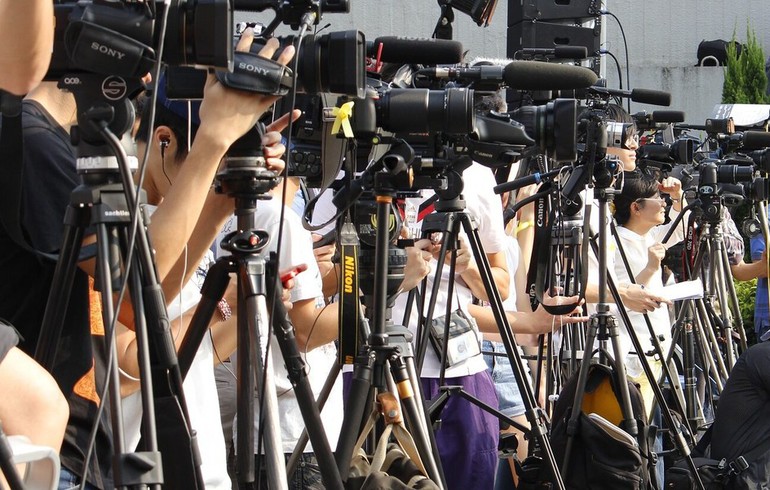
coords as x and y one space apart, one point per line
49 177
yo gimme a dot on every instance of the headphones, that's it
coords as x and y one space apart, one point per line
163 145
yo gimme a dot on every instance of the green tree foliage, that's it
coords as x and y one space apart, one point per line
732 89
746 292
745 78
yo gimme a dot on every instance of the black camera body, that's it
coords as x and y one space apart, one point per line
118 38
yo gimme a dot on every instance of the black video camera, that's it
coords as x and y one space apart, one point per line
119 38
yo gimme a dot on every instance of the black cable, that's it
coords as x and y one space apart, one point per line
625 46
617 65
307 20
117 148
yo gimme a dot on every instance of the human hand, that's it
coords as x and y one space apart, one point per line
323 255
287 281
527 213
464 257
641 300
227 114
417 263
655 255
544 322
273 148
671 186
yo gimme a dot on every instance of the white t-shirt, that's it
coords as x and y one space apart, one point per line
296 249
485 207
635 247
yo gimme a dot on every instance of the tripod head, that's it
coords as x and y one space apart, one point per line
245 176
102 101
246 179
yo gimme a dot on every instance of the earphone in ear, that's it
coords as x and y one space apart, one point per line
163 145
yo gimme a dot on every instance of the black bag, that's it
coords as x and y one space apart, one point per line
712 473
750 471
714 53
603 455
463 342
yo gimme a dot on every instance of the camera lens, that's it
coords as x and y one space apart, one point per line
422 110
199 32
733 174
552 126
333 63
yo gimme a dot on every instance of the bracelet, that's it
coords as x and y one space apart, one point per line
224 309
524 225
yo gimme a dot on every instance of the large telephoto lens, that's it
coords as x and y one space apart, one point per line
553 126
333 63
734 174
199 32
447 111
681 151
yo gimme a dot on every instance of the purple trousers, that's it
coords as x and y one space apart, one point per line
468 437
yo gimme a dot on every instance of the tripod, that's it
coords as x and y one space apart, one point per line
387 345
450 219
693 326
107 200
246 179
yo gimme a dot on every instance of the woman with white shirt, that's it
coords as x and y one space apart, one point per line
640 212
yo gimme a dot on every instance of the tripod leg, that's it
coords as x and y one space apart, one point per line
58 299
331 380
713 360
360 394
534 415
413 418
252 310
720 281
284 333
212 291
8 469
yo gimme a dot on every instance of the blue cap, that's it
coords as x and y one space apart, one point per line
178 106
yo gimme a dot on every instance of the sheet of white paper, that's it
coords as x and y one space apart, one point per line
683 290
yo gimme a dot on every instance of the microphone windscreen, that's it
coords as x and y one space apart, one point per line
538 75
755 140
570 52
417 51
668 116
654 97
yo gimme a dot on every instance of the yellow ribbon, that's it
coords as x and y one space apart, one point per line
342 119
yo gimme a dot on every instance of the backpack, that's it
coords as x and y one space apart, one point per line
603 455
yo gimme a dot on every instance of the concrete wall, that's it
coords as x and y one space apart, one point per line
663 37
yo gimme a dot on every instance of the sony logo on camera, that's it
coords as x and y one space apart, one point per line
112 52
252 68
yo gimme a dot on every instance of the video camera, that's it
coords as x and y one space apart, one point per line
119 38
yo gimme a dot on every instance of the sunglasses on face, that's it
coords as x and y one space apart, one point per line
658 199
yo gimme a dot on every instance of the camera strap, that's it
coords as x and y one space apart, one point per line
538 264
541 261
349 301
